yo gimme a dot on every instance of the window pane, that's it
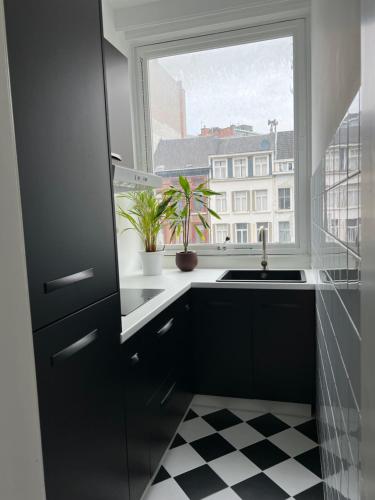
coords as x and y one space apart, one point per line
284 232
208 122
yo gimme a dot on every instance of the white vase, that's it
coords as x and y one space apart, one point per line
152 262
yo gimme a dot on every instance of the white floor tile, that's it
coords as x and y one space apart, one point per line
226 494
166 490
292 442
234 468
202 410
246 415
182 459
293 420
292 477
195 429
241 435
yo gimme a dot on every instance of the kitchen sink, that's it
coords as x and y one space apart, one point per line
277 275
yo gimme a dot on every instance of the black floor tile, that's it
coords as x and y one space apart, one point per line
190 415
309 429
311 460
178 441
211 447
162 475
200 482
264 454
314 493
259 487
222 419
268 424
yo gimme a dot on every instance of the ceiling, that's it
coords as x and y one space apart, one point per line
117 4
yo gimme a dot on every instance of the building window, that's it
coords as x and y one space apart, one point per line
353 195
286 166
267 228
221 203
352 230
261 200
284 232
240 201
261 166
220 169
241 232
334 227
221 232
284 198
240 167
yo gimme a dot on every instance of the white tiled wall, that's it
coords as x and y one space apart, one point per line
336 262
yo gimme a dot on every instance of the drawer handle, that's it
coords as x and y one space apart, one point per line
74 348
167 396
71 279
134 359
164 329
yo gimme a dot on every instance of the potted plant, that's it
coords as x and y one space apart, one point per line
181 199
147 215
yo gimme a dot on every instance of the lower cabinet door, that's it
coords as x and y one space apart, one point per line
81 412
167 409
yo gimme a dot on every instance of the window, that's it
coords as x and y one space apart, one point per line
334 227
221 232
284 198
221 203
261 200
352 230
267 227
284 232
240 201
220 169
241 232
353 157
261 166
195 125
240 167
353 195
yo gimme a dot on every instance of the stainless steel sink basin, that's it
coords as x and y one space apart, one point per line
274 275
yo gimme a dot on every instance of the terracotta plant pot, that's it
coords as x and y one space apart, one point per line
186 261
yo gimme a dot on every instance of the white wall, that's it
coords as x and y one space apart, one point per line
116 38
335 67
21 470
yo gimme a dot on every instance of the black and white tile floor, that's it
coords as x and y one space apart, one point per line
222 454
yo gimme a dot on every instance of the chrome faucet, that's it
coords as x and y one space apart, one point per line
262 238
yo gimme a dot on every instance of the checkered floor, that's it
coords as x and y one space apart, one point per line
222 454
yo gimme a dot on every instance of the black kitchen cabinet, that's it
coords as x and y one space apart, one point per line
255 343
80 403
284 345
59 105
118 98
157 392
222 342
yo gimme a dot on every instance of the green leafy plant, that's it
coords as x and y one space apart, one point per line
180 200
147 215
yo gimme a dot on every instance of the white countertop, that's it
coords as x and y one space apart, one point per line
175 283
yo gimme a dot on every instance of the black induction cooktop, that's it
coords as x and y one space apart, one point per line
132 298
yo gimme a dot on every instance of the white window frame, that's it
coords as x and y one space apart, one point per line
284 198
246 197
243 231
256 195
141 52
221 197
267 165
290 229
215 226
214 167
243 158
266 226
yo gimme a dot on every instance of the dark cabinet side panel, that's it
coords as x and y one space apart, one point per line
57 82
81 411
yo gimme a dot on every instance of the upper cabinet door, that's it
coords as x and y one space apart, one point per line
58 91
118 97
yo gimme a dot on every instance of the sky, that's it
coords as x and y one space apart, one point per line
243 84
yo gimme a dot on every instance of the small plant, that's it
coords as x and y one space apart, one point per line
180 200
146 215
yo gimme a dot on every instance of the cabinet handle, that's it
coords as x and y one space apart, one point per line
51 286
134 359
167 396
164 329
74 348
